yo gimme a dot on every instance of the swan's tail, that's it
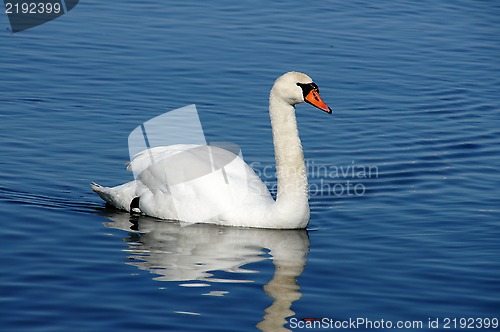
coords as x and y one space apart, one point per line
120 197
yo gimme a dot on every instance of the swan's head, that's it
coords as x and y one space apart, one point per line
295 88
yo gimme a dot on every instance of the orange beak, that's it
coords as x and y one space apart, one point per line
314 99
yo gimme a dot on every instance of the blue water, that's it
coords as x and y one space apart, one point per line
415 89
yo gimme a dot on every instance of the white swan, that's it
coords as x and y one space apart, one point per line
170 185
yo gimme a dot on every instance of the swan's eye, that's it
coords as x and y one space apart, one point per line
307 87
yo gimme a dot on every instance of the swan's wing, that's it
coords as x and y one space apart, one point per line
195 183
147 157
121 196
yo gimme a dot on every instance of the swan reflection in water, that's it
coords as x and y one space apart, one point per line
177 252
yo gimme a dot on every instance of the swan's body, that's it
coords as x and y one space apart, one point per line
231 194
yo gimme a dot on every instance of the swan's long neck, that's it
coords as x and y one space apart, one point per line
292 197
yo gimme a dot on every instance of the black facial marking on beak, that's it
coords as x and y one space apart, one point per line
307 87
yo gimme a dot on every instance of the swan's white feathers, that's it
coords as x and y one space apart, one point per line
195 183
119 196
179 182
